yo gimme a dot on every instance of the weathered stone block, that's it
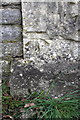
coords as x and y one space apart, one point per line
56 78
42 50
10 16
10 50
8 2
10 33
63 22
57 19
35 17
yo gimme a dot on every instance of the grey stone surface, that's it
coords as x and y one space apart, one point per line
42 51
6 65
79 7
10 50
57 19
60 35
79 24
70 27
10 33
10 16
63 22
35 17
7 2
56 78
10 29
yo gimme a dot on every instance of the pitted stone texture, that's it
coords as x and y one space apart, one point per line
41 51
56 78
57 19
63 22
6 66
24 78
69 23
34 16
10 33
10 16
53 26
53 20
60 35
10 50
10 29
10 2
6 70
36 35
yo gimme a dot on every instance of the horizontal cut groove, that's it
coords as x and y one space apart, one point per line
11 24
11 7
18 56
70 39
9 41
35 31
12 57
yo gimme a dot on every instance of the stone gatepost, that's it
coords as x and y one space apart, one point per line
50 49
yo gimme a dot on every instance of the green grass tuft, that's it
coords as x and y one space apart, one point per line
64 107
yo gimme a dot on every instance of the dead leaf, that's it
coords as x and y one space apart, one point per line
21 110
29 105
7 117
24 99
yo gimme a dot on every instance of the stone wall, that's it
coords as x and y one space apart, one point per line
45 54
11 44
10 28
